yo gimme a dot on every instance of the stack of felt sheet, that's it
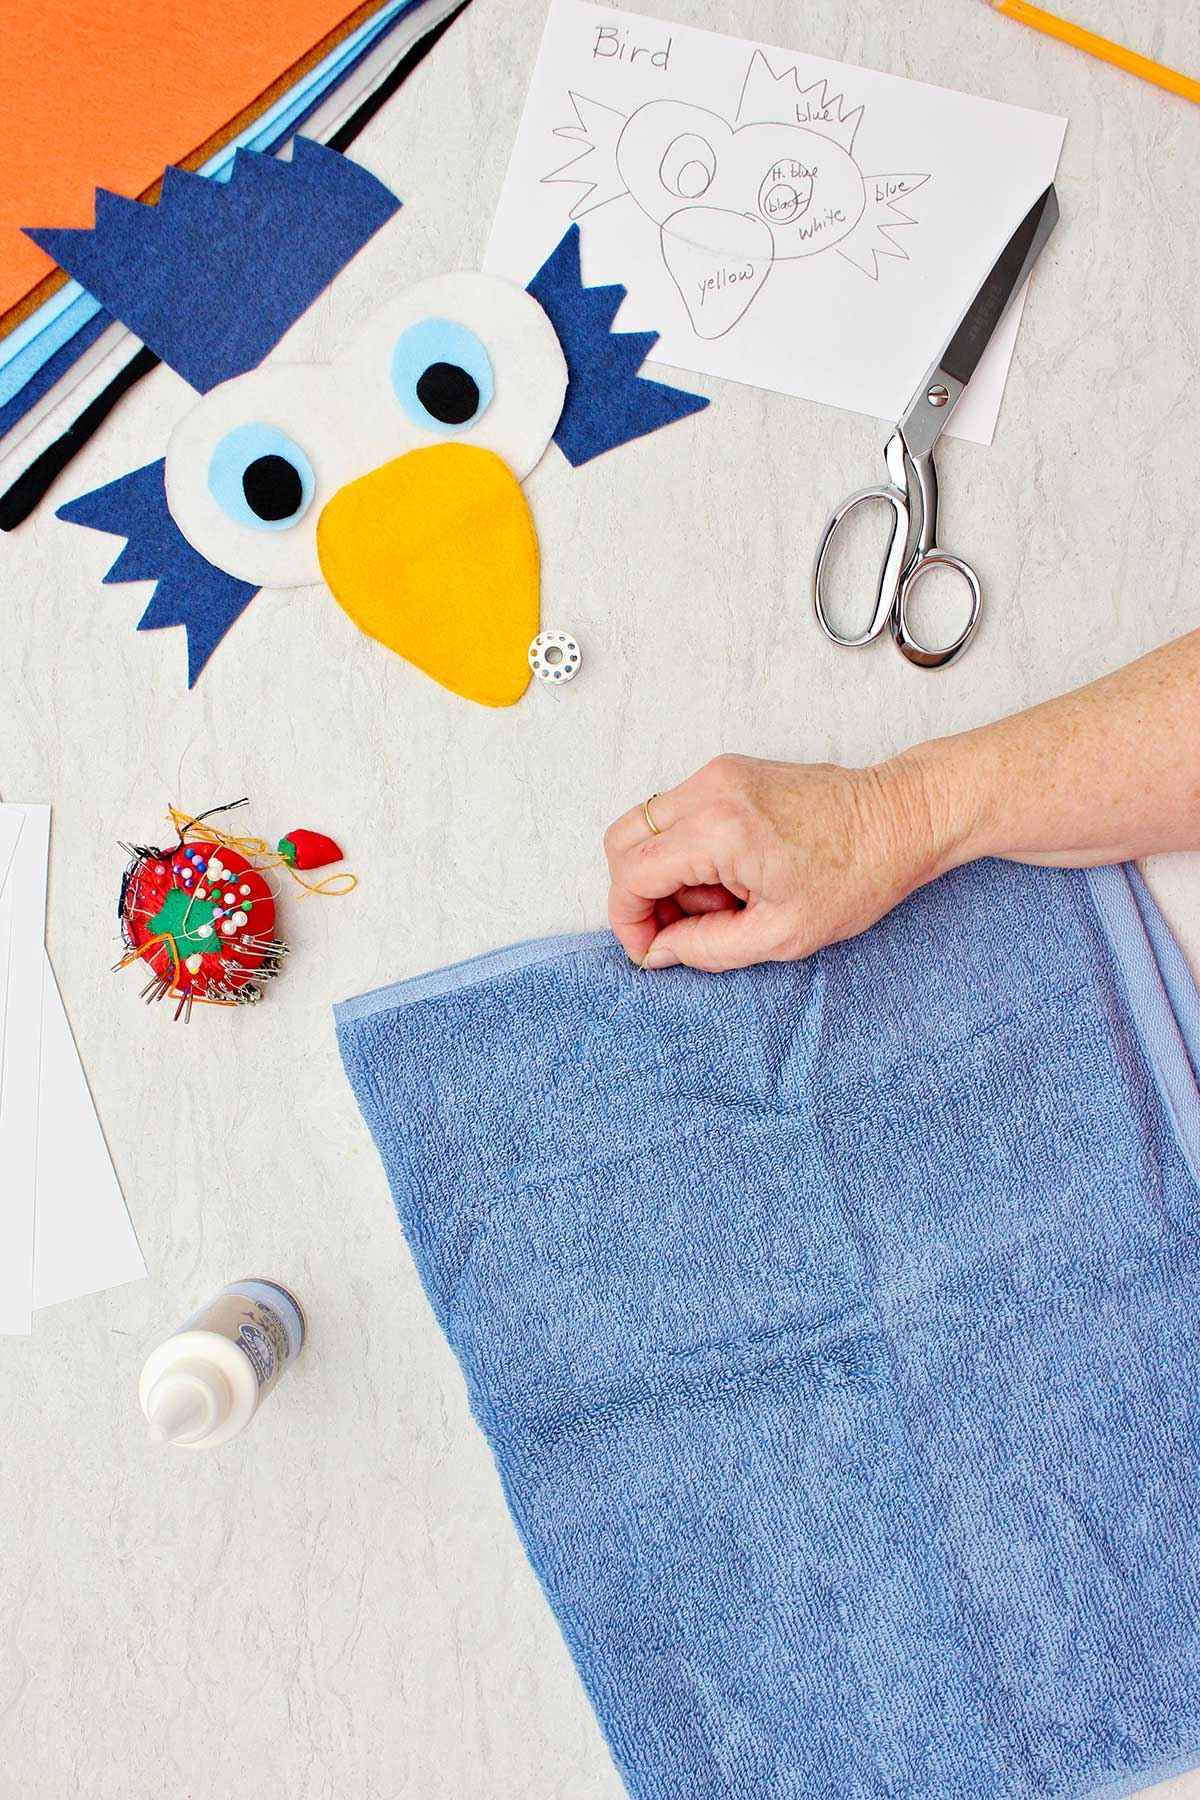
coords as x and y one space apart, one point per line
185 83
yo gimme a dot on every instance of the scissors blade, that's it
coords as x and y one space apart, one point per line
942 387
1004 282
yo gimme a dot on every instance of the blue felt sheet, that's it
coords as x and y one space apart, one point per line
834 1327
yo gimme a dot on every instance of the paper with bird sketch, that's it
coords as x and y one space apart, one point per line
779 218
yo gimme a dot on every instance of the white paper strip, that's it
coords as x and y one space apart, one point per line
22 933
84 1240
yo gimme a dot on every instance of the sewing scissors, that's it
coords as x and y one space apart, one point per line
912 491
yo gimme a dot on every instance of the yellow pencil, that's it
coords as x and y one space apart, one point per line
1101 47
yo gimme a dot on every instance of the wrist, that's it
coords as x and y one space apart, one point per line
940 804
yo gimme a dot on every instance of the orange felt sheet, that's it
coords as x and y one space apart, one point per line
105 93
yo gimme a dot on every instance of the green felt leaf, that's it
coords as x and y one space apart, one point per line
181 917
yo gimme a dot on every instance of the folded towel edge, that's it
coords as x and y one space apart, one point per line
471 972
1123 1787
1163 998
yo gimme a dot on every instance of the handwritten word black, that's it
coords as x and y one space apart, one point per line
611 42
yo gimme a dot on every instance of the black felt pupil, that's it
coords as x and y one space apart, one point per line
448 393
272 487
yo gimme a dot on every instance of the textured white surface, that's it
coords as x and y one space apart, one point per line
336 1604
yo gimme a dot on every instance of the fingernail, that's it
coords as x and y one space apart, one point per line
659 956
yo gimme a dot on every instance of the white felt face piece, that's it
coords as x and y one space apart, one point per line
494 334
249 468
464 358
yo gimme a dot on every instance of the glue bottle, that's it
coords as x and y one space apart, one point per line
204 1384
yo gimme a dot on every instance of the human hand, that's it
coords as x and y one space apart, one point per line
766 861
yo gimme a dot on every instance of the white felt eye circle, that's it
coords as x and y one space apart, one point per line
250 467
442 376
261 478
500 384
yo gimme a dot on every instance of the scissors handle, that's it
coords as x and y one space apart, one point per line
923 655
890 573
927 554
913 485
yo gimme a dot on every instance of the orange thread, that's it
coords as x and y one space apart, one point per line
198 831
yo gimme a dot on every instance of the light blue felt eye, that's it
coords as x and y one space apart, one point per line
442 375
261 478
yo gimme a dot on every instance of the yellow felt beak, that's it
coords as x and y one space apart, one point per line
435 555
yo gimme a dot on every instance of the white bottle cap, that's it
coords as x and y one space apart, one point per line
186 1404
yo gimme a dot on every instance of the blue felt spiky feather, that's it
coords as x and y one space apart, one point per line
608 403
190 591
214 274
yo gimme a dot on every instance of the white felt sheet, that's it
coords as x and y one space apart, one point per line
64 1228
84 1239
22 930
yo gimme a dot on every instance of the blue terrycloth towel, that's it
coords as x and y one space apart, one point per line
835 1330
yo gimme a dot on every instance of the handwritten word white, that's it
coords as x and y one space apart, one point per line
833 215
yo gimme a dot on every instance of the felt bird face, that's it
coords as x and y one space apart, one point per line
393 473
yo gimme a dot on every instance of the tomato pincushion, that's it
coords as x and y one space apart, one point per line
203 918
202 914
